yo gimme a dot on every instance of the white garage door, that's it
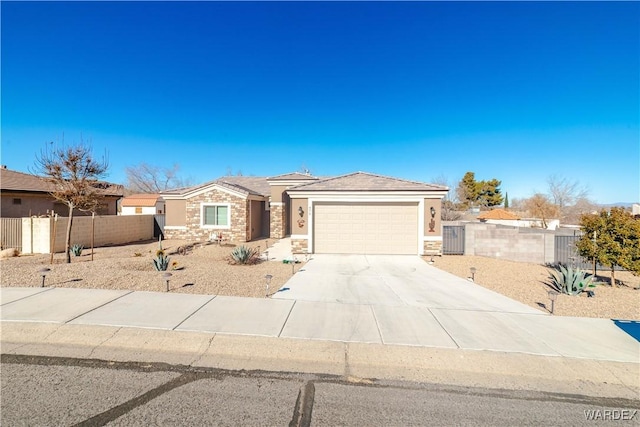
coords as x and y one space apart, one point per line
366 228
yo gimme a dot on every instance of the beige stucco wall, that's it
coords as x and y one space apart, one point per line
108 230
40 204
277 192
176 213
437 226
296 220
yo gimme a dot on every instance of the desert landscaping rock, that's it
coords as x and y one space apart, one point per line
525 282
205 270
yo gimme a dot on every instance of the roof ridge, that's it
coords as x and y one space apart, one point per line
321 180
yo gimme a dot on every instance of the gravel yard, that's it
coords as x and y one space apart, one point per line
525 282
205 270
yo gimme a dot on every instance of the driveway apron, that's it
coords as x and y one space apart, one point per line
402 300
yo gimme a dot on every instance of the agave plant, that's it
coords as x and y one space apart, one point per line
570 281
161 261
244 255
76 249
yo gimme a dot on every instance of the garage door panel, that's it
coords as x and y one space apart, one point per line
368 228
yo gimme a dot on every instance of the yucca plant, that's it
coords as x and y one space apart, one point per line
161 261
570 281
244 255
76 249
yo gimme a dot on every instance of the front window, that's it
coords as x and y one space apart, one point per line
215 216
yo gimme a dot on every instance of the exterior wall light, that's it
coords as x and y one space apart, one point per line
432 223
300 211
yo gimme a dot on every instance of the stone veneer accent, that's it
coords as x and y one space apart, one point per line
299 246
276 227
433 247
194 231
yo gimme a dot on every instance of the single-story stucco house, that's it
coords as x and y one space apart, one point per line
142 204
504 217
23 195
359 213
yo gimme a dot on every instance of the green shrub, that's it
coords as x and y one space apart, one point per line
161 261
76 249
570 281
244 255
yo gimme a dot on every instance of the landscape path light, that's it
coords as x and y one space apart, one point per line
552 296
268 278
473 274
43 272
167 276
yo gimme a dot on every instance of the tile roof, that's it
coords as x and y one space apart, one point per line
254 184
140 200
292 176
498 214
364 181
249 185
11 180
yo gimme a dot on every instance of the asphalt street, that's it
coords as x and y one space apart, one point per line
80 392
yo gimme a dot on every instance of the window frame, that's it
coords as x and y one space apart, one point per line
203 206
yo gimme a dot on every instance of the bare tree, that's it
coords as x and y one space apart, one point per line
539 206
74 173
582 206
449 211
145 178
565 193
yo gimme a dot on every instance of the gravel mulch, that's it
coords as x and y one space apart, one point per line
205 270
525 282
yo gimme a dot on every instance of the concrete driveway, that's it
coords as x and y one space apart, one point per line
392 280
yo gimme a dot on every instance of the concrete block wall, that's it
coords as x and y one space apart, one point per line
37 233
508 244
515 244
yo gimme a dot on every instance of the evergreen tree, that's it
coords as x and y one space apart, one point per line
478 193
611 238
506 200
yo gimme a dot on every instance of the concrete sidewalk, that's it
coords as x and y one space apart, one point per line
401 325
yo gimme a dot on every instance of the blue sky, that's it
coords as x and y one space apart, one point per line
516 91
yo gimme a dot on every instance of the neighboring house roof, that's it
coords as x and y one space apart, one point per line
500 214
364 181
293 176
143 200
18 181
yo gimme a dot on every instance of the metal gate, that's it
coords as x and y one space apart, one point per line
567 254
11 233
453 240
158 225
